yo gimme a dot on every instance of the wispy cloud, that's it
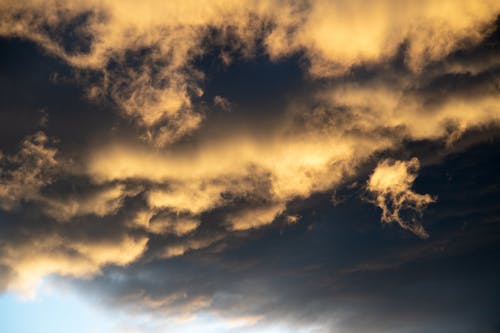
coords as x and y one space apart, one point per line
391 184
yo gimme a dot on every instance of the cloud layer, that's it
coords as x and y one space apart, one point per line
186 181
145 53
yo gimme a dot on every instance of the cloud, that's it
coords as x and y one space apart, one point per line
191 197
319 144
295 166
337 35
400 106
101 202
29 262
35 167
26 172
344 264
28 256
177 225
378 75
179 305
255 217
171 194
223 103
391 184
145 52
182 246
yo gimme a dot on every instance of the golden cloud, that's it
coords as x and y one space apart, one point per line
32 261
23 175
158 90
145 54
255 217
391 184
179 226
102 202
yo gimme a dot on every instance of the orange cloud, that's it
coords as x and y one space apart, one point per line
32 261
319 145
158 92
391 184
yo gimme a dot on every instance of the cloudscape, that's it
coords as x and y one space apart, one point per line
250 166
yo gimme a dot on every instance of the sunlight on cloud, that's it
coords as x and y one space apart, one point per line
32 261
375 76
391 183
23 175
159 88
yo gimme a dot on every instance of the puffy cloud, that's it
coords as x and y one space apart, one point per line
29 262
316 148
255 275
177 225
391 184
191 197
101 202
294 166
34 168
381 105
337 35
189 244
255 217
146 51
248 180
27 257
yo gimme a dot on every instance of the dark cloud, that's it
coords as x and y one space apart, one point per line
233 161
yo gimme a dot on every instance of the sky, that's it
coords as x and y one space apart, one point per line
272 166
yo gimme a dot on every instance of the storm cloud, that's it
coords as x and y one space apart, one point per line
180 160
